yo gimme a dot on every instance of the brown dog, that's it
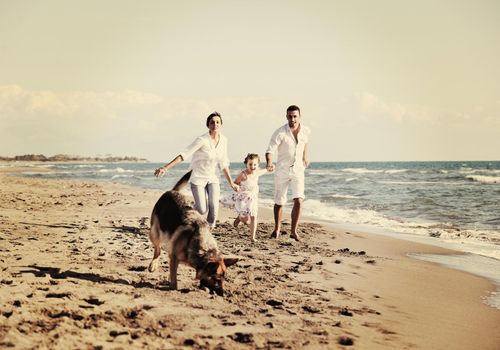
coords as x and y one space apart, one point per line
188 238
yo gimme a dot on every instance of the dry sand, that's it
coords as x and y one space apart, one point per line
74 259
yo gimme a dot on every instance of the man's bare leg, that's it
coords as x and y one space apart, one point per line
297 205
278 213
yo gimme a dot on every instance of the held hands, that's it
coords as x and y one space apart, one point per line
270 167
160 171
235 187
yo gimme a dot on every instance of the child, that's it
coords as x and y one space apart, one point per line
246 201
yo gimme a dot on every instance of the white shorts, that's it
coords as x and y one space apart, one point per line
281 183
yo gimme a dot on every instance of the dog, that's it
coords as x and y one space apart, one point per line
189 240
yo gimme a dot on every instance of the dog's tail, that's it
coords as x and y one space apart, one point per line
182 182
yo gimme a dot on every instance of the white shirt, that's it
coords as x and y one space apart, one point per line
290 152
206 157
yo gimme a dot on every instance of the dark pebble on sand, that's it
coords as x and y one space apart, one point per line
274 302
310 309
116 333
7 344
94 301
137 268
242 337
58 295
132 314
345 341
338 262
345 312
276 344
189 342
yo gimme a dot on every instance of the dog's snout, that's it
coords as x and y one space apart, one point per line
214 285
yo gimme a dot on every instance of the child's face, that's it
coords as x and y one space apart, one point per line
252 164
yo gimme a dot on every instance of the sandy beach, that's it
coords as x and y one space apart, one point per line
74 259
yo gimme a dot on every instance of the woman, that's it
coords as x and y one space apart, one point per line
209 151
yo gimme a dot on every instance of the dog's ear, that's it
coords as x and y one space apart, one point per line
230 261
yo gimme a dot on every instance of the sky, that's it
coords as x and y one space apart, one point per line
385 80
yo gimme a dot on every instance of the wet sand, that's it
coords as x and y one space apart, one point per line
74 259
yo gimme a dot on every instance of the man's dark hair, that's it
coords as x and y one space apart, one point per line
292 108
214 114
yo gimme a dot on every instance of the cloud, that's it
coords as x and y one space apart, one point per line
373 107
88 122
17 102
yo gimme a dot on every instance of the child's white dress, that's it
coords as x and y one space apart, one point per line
246 201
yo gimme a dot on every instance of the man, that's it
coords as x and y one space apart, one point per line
289 144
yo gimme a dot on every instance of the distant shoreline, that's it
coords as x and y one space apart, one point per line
69 158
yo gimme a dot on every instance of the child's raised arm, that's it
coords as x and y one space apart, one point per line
263 171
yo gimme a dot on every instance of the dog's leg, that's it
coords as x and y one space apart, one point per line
156 257
174 262
155 237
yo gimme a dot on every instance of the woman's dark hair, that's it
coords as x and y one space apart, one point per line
251 156
214 114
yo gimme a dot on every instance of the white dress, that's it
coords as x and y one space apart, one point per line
246 201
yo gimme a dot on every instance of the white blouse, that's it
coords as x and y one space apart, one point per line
208 159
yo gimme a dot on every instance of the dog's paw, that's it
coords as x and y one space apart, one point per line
153 266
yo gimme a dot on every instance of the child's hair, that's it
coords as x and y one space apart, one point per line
251 156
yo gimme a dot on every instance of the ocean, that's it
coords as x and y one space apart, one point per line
454 204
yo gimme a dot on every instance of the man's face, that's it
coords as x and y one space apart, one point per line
293 118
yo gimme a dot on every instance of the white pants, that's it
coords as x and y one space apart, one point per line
283 180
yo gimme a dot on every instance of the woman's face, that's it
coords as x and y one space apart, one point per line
214 124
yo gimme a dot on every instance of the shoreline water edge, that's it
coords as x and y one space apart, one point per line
84 281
